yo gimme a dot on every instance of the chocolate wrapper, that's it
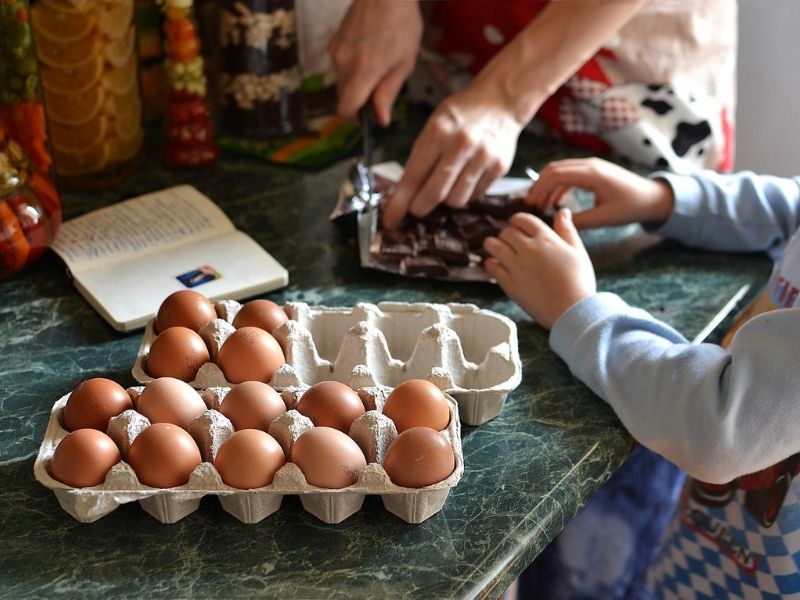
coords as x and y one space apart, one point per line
447 244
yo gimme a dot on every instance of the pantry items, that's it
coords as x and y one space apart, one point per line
190 142
259 74
89 73
30 207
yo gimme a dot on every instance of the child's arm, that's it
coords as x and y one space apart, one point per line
742 212
717 414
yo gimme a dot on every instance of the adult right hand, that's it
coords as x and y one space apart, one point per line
620 196
373 52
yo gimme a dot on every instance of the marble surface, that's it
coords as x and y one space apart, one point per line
527 472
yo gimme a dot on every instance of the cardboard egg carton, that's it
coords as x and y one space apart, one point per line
470 353
373 432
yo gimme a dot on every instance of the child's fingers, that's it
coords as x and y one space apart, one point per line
565 228
529 224
600 215
515 238
497 271
499 249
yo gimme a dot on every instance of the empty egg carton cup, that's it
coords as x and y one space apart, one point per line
373 432
470 353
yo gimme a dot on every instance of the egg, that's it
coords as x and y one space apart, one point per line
250 354
328 458
417 403
419 457
185 308
84 458
170 400
164 456
264 314
331 404
93 402
176 352
252 405
249 459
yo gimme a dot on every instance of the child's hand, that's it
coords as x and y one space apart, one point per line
544 270
620 196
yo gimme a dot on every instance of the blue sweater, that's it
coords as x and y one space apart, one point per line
729 417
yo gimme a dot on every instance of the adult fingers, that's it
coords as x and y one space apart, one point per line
492 173
465 185
422 160
439 183
385 94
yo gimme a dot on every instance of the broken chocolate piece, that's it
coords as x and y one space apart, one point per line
477 232
425 266
452 250
395 247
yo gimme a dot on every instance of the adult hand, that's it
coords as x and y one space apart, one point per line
620 196
467 143
543 270
373 52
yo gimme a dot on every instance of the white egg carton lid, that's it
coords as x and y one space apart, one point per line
373 432
470 353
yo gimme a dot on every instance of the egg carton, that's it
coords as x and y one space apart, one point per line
373 432
469 353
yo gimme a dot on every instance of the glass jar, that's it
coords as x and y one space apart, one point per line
260 83
30 207
89 74
190 142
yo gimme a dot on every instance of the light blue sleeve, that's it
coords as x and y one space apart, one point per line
741 212
715 413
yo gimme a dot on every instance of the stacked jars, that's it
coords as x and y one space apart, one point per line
190 141
260 80
86 51
30 208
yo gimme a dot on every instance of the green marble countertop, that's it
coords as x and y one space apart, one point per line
527 472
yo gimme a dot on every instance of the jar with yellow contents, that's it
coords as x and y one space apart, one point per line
89 76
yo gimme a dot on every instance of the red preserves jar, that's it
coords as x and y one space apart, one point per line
30 208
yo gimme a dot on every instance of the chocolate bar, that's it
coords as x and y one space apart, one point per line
426 266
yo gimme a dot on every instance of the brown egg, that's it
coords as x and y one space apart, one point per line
250 354
185 308
264 314
177 352
418 457
328 458
84 458
331 404
252 405
93 402
170 400
417 403
249 459
164 456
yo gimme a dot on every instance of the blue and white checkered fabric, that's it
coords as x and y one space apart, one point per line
724 552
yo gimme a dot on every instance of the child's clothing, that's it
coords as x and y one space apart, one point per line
661 92
716 413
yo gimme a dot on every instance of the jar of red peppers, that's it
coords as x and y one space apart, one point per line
30 208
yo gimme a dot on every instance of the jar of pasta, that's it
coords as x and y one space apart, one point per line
89 74
260 80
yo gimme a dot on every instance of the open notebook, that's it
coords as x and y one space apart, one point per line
127 257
